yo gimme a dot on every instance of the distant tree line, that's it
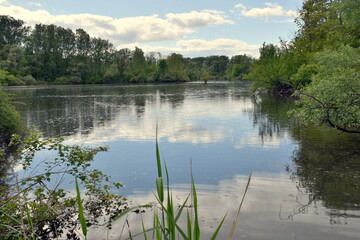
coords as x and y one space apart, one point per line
50 54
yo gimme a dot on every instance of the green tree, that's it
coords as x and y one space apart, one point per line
12 31
327 24
194 68
240 66
101 56
217 65
122 58
274 69
332 97
138 65
50 49
176 68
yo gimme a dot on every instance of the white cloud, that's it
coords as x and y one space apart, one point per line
33 4
182 126
4 2
270 199
124 30
271 10
200 47
198 19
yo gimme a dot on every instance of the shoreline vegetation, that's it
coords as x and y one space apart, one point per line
319 67
50 54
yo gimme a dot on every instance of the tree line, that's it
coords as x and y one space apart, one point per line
50 54
320 66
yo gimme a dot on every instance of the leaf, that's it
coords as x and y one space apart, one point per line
81 211
213 237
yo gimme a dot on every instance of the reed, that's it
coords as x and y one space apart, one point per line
80 209
170 229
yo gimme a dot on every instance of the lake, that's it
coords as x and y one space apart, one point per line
305 180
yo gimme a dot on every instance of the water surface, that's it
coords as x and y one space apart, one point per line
306 181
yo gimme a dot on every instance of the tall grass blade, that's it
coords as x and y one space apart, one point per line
158 159
143 228
196 217
126 211
181 209
163 208
30 221
238 212
170 207
171 218
213 237
144 233
81 211
160 189
157 226
189 228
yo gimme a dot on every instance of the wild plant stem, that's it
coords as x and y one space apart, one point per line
238 212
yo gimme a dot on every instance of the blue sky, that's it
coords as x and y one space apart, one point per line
190 27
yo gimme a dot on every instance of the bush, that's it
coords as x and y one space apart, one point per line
62 80
28 80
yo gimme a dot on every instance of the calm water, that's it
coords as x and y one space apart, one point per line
306 181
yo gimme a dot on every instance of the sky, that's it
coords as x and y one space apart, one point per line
189 27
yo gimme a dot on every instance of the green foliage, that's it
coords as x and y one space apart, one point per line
216 65
205 76
175 69
240 66
51 54
12 31
138 66
321 25
28 79
350 10
274 69
80 209
332 97
170 229
62 80
10 120
41 198
320 64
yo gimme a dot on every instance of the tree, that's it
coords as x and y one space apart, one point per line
240 66
327 24
83 44
122 58
176 68
350 10
138 65
12 59
101 55
274 69
216 65
12 31
333 95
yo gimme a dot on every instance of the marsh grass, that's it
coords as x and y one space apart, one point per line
166 222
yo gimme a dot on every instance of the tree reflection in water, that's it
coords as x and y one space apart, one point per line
327 169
